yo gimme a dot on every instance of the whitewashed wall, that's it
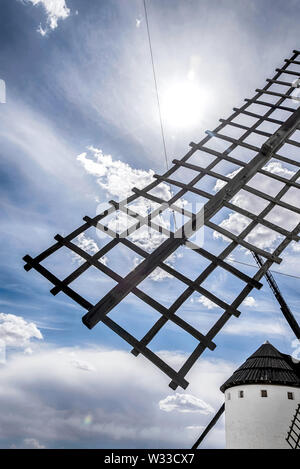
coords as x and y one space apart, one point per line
259 422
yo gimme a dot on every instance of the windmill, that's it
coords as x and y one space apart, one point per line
255 166
260 399
241 180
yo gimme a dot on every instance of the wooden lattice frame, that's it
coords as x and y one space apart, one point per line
129 284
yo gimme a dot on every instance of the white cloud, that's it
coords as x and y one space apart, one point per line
249 301
277 167
117 179
55 10
44 395
195 427
32 443
235 223
41 30
185 403
88 245
206 302
80 364
16 332
295 247
296 353
219 183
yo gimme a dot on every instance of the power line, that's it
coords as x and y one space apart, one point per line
156 86
157 98
273 271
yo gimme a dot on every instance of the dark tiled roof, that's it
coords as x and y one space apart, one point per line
266 366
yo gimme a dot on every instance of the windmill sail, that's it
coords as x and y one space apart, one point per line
293 437
268 109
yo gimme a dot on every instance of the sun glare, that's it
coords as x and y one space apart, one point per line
182 104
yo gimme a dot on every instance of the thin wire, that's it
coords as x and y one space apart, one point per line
273 271
156 86
158 101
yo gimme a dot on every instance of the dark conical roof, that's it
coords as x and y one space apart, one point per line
266 366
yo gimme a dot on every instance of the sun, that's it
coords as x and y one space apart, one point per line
182 104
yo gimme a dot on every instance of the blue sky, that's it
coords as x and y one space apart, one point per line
80 82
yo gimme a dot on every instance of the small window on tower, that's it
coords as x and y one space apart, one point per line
290 395
228 396
263 393
241 393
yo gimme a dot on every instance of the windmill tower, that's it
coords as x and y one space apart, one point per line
262 403
260 400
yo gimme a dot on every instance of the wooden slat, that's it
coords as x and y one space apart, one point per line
282 95
258 116
289 72
273 106
239 240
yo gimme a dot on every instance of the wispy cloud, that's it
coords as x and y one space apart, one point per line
50 398
16 332
255 326
55 10
28 443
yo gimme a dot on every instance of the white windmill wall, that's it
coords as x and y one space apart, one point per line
256 422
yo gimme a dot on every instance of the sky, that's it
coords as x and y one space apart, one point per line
79 126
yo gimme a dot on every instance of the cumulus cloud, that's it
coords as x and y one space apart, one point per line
117 179
185 403
55 10
45 394
249 301
16 332
219 183
88 245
